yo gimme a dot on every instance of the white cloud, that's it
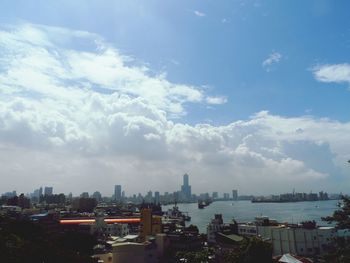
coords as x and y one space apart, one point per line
86 120
52 63
216 100
272 59
199 13
338 73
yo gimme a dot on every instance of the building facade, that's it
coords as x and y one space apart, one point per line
117 192
186 188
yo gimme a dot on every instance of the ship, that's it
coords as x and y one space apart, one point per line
204 203
177 214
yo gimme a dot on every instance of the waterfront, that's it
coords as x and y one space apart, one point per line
245 211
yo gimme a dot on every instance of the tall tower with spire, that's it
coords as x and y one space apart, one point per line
186 188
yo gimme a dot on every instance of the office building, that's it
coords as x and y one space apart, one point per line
84 195
186 188
226 196
97 195
156 197
48 190
234 195
117 192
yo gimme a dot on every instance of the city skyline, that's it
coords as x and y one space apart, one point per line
179 195
244 94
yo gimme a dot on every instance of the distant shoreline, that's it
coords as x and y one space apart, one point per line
288 201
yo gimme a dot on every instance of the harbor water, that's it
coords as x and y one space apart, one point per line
246 211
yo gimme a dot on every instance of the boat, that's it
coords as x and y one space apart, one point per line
201 205
175 213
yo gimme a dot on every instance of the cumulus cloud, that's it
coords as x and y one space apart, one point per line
272 59
85 118
339 73
45 56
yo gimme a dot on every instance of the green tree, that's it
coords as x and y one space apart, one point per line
340 251
251 250
24 241
193 256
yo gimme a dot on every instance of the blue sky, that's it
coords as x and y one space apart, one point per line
226 82
223 49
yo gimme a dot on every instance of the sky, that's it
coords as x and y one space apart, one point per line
247 95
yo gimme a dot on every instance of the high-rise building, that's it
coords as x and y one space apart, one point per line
48 190
38 192
117 192
84 195
146 223
226 196
149 197
10 194
234 195
186 188
185 179
97 195
156 197
150 225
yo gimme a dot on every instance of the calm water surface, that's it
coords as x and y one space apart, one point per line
245 211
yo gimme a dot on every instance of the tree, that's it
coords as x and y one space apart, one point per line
251 250
192 256
341 216
340 252
25 241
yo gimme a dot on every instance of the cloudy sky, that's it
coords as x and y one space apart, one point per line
247 95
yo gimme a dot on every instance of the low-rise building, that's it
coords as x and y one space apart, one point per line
304 239
247 230
115 229
214 227
298 240
217 226
145 252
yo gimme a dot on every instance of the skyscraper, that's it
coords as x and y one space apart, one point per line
84 195
156 197
48 190
186 188
234 195
97 195
185 179
118 192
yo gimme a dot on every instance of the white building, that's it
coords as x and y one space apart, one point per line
133 252
297 240
247 230
115 229
294 239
